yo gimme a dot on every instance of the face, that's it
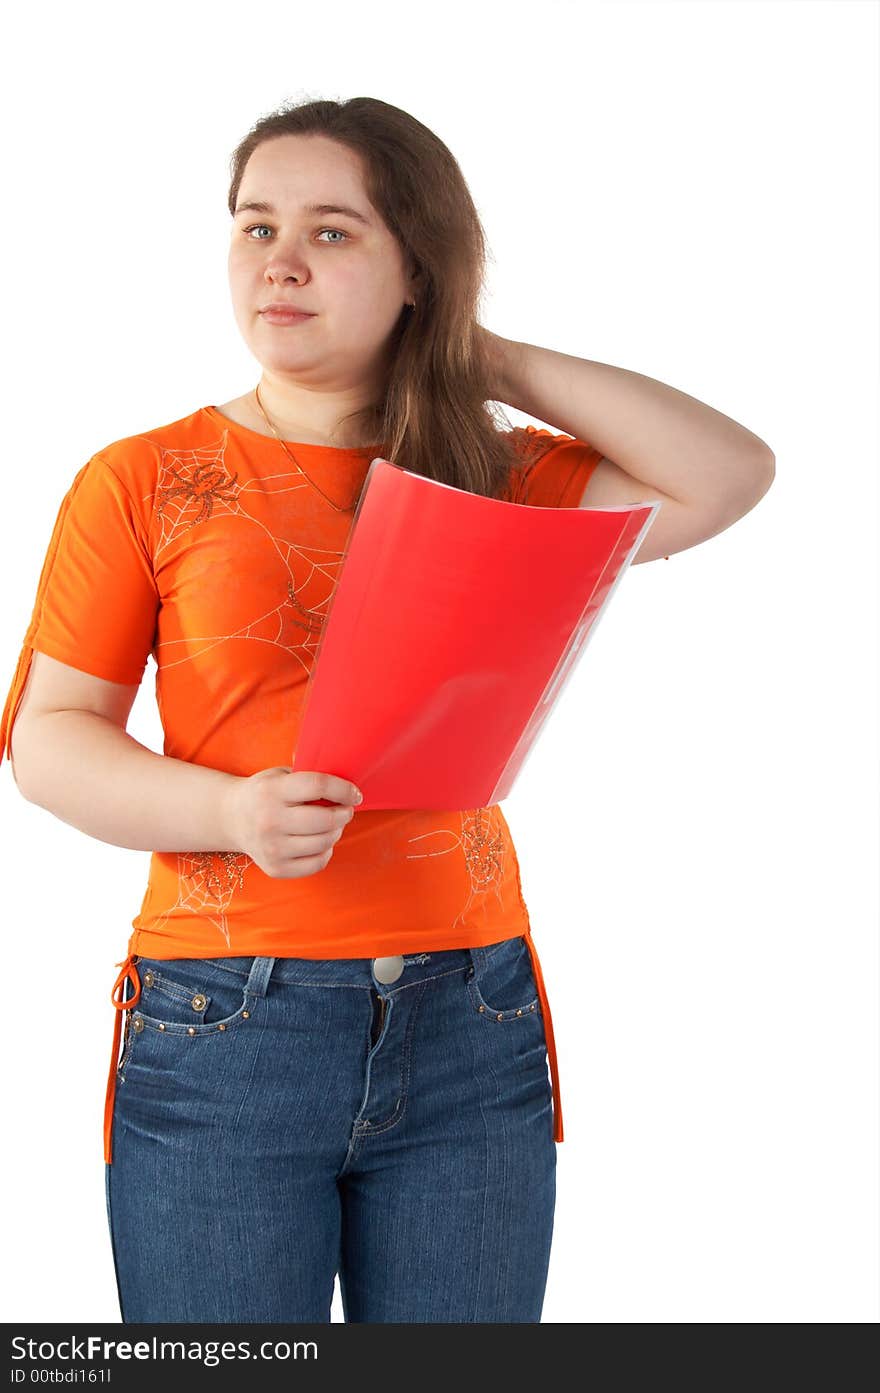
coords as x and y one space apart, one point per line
350 274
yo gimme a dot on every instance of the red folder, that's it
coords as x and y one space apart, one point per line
454 627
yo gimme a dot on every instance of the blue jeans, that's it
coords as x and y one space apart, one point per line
281 1120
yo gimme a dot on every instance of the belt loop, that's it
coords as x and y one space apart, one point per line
258 977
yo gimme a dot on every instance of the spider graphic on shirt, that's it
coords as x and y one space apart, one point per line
309 621
203 484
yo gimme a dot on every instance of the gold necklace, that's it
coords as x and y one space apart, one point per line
283 444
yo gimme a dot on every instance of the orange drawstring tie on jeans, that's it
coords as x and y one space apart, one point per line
129 973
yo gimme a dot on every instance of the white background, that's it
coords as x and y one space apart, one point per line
685 189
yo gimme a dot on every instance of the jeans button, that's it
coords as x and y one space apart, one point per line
387 969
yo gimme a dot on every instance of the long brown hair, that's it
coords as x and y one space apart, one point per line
434 419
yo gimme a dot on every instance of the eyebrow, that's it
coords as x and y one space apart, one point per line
322 209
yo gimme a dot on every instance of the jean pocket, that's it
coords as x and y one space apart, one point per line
189 996
503 986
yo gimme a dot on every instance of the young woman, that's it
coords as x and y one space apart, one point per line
336 1030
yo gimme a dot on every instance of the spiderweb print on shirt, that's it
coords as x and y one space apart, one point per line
195 486
207 881
482 839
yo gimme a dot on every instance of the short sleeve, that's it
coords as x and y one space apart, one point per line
97 602
550 470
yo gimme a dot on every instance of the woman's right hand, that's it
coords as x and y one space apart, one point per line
272 818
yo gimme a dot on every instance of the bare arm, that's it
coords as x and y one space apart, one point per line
82 767
72 755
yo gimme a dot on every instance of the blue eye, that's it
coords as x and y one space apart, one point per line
255 225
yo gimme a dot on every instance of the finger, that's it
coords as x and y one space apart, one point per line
313 786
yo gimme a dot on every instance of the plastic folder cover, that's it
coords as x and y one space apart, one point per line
454 628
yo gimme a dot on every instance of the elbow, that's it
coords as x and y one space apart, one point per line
767 471
767 477
759 481
18 764
16 777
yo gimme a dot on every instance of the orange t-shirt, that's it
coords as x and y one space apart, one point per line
201 544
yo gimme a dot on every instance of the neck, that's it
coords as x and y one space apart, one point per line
324 426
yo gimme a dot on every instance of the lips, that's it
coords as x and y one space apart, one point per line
286 319
282 307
